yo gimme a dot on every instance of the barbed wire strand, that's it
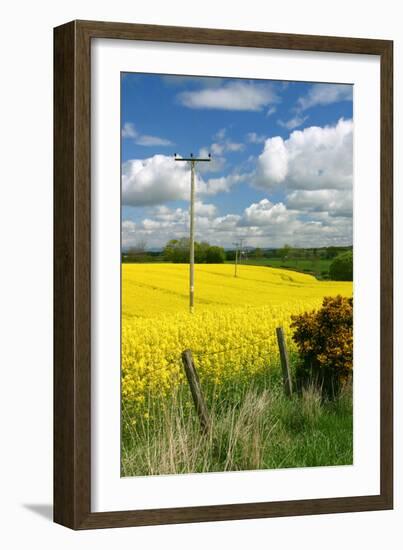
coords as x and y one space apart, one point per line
174 362
249 343
169 365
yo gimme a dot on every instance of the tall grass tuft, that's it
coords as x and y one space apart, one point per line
257 428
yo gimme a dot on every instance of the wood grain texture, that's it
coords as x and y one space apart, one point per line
72 296
64 383
221 37
196 391
285 364
72 274
386 358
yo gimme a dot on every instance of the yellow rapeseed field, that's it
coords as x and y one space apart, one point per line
232 332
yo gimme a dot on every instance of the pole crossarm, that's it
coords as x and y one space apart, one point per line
193 159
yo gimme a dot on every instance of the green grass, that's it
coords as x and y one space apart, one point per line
315 267
254 426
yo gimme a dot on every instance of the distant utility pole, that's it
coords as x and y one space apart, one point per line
236 259
240 249
192 160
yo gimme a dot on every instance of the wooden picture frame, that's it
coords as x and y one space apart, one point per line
72 272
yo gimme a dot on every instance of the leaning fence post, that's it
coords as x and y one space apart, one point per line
195 388
285 364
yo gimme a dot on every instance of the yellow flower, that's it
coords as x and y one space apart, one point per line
235 317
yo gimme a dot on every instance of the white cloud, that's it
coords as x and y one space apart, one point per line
129 225
180 215
205 210
236 96
272 224
233 146
272 163
158 179
293 122
165 214
129 132
334 202
151 225
128 233
263 224
266 213
154 180
220 135
253 137
221 185
227 223
152 141
271 111
218 148
313 168
222 143
225 146
314 158
216 164
325 94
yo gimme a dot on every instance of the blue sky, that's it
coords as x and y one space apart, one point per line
281 169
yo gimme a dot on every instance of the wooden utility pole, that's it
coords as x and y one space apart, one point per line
195 388
240 249
192 160
192 238
236 260
285 364
238 254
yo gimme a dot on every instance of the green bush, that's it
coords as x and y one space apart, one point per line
324 340
341 269
215 255
177 251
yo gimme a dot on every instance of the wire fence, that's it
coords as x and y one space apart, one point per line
197 390
215 352
177 362
169 366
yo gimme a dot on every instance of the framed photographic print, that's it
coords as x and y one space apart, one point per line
222 275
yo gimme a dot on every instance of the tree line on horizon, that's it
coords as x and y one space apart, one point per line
177 251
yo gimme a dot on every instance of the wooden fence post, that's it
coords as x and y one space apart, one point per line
285 364
195 388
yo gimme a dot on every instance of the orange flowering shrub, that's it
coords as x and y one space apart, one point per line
324 340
